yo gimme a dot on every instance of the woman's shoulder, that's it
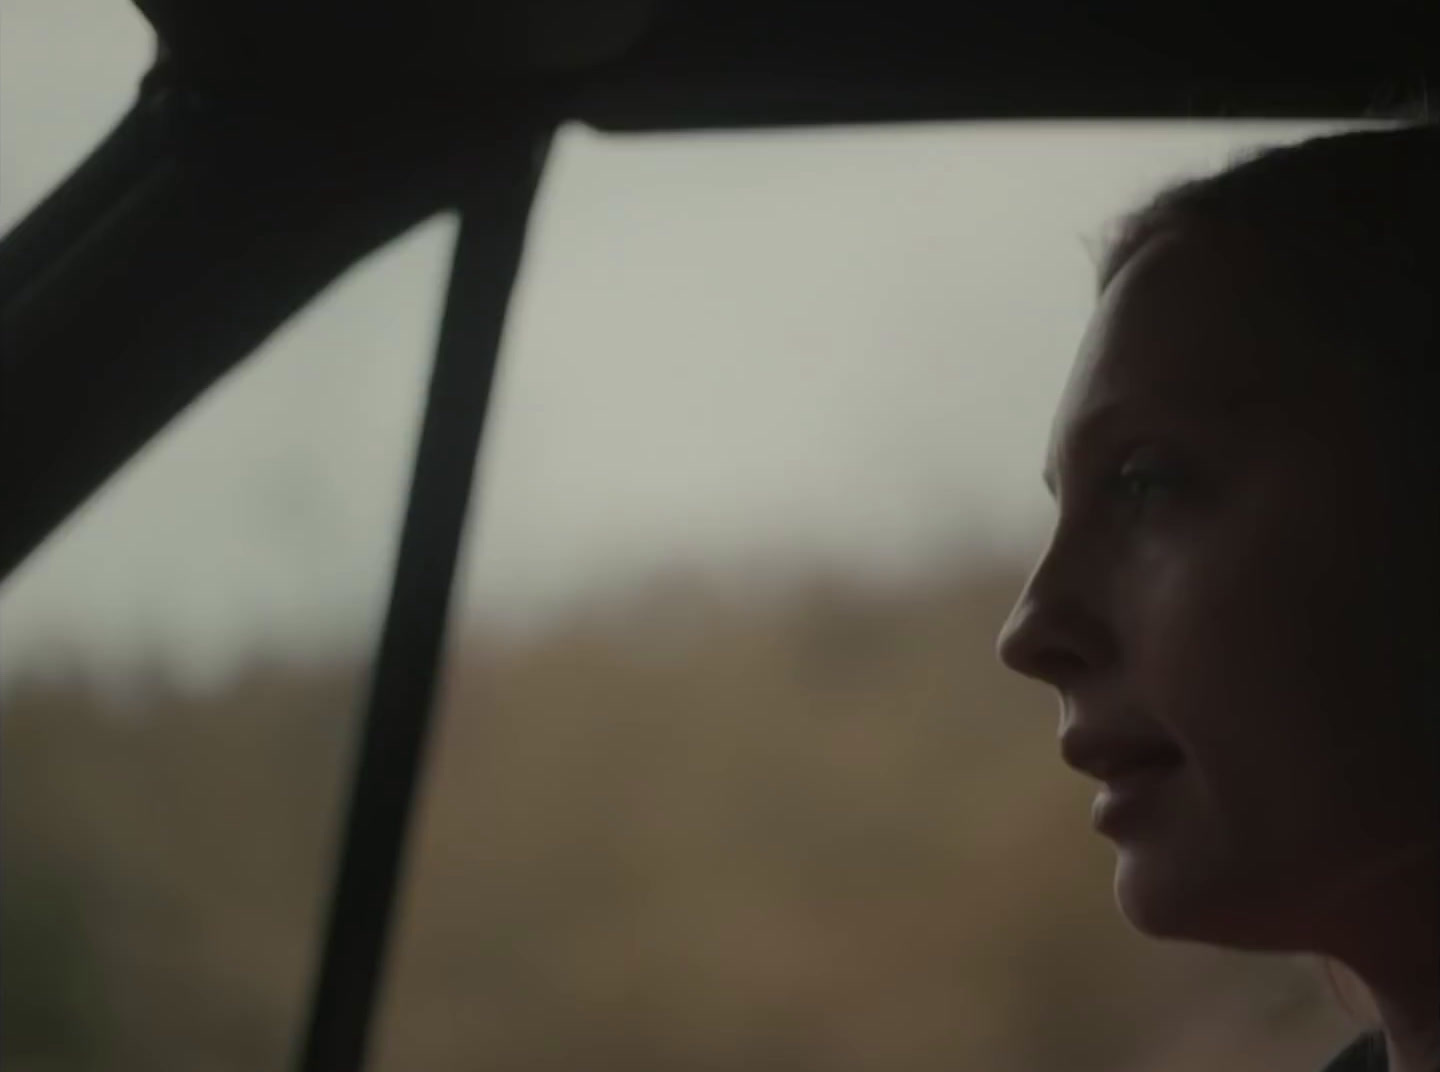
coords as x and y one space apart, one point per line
1365 1054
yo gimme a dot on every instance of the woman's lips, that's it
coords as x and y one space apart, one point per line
1108 754
1132 794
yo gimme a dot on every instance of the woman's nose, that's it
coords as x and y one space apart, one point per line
1051 635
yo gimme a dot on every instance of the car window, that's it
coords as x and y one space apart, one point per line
68 70
183 662
725 774
183 671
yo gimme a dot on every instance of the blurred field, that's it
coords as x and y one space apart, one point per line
710 829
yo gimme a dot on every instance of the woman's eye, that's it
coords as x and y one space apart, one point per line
1136 484
1141 482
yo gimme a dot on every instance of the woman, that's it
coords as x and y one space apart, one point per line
1238 604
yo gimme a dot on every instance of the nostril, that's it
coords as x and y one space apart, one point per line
1044 659
1056 666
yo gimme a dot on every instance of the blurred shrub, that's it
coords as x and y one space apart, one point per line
709 828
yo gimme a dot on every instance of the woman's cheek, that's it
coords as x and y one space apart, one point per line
1208 636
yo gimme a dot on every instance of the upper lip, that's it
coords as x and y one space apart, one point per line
1109 754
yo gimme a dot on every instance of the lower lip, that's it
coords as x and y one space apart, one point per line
1129 798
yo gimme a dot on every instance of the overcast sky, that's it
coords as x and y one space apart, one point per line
837 346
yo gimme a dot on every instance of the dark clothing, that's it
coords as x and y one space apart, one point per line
1365 1054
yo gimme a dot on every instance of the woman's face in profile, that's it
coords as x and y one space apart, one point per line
1220 579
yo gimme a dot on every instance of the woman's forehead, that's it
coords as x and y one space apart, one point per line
1196 321
1200 331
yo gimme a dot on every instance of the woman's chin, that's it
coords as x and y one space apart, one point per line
1166 902
1152 899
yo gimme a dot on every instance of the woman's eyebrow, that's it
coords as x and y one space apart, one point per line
1096 423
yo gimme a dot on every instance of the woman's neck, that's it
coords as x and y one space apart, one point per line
1393 948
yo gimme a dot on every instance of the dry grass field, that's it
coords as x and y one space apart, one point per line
706 829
